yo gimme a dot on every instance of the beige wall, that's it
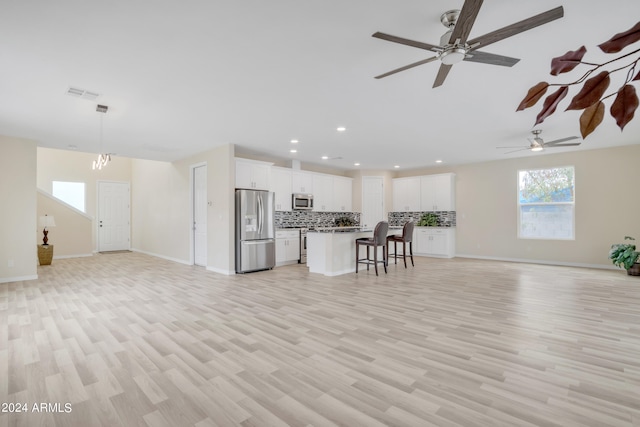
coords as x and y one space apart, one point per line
74 166
71 237
18 224
162 211
606 206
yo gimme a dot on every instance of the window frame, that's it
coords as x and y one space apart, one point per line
572 204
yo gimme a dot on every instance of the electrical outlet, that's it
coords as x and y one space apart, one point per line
10 263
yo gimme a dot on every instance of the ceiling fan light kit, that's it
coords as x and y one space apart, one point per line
454 44
537 143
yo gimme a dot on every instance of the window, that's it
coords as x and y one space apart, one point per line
72 193
546 203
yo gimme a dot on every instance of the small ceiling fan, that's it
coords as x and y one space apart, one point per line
455 46
538 144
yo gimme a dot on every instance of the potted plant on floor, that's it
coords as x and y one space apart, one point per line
624 255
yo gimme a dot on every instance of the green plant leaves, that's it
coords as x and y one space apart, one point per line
567 62
623 255
591 92
621 40
624 106
591 118
533 96
551 103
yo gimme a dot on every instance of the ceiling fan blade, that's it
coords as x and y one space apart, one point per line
556 141
442 74
406 67
562 145
514 151
407 42
465 21
517 28
490 58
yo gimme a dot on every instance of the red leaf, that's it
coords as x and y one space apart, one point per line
637 77
590 119
567 62
533 96
591 92
624 106
621 40
551 102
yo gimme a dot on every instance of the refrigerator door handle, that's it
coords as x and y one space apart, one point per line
259 199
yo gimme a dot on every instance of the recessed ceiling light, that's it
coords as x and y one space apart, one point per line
396 166
325 157
438 161
356 164
341 129
294 141
293 151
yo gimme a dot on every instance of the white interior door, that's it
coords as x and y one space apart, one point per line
372 200
200 215
114 216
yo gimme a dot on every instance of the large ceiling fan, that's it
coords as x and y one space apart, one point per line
538 144
455 46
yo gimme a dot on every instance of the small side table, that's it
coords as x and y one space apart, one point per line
45 254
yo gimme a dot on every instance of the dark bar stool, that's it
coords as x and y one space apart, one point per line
379 239
406 237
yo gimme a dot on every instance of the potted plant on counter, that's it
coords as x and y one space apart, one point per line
428 220
624 255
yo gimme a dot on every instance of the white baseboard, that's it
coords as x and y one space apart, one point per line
543 262
180 261
72 256
221 271
17 278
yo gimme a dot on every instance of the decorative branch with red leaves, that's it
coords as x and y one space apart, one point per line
591 96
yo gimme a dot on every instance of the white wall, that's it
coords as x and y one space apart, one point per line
162 211
18 223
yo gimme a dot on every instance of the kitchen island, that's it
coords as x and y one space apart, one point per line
332 250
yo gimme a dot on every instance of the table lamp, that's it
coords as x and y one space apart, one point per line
46 221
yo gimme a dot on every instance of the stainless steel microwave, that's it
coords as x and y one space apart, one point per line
302 201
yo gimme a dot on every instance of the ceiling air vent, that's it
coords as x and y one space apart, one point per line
82 93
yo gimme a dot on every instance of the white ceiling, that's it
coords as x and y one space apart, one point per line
183 77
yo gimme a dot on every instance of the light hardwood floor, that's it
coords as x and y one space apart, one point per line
132 340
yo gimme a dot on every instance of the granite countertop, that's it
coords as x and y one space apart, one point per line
357 229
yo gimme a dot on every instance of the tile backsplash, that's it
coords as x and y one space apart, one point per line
445 218
294 219
291 219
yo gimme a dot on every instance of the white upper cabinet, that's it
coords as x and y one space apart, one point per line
406 194
252 174
302 182
322 193
342 194
281 186
437 192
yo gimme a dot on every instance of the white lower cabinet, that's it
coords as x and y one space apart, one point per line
287 247
434 241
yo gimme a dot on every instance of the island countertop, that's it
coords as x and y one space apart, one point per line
357 229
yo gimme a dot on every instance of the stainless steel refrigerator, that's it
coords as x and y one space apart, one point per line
255 231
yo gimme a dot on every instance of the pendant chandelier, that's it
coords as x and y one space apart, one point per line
105 158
